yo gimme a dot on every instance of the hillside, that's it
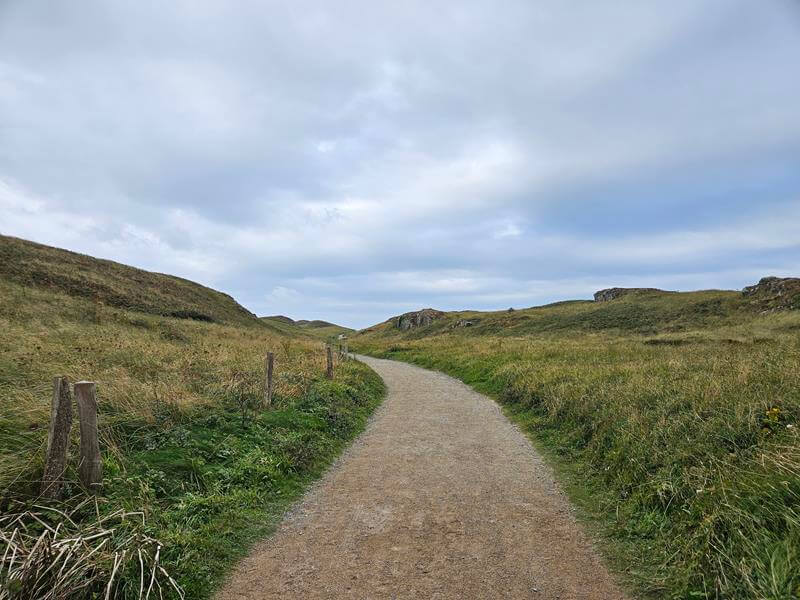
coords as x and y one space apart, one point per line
673 419
188 445
114 284
641 312
318 329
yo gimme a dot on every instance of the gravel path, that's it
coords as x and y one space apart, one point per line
441 497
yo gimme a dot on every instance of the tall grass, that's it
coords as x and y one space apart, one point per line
686 442
185 443
149 369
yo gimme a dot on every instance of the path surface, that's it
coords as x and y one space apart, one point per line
441 497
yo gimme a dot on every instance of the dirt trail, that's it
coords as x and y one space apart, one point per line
441 497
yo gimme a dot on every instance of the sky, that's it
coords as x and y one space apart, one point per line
354 160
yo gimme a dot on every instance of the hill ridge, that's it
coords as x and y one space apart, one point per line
632 310
116 284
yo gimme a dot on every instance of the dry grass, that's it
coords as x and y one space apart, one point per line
52 554
147 368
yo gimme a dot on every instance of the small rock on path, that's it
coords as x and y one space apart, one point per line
441 497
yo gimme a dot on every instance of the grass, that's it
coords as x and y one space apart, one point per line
317 329
114 284
187 450
212 487
672 417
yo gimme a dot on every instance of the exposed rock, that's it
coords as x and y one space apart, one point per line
419 318
775 293
464 323
611 293
774 286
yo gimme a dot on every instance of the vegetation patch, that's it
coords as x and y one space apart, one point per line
316 329
191 314
114 284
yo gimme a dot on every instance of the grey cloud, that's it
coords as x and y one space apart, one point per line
262 146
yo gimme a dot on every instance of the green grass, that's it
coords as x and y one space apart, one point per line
317 329
211 486
673 419
184 439
648 313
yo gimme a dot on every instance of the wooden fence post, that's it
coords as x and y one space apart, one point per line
91 465
57 439
329 372
346 353
268 382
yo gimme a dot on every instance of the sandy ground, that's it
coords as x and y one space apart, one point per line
441 497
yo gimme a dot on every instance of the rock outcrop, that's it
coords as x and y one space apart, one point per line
419 318
774 286
775 293
611 293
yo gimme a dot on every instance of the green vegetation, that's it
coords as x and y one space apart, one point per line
212 486
190 457
113 284
318 329
675 417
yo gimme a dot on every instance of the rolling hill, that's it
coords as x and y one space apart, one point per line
644 312
318 329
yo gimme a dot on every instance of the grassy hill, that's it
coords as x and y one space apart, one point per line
673 419
114 284
641 313
187 445
318 329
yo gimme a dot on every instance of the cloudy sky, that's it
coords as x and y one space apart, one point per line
353 160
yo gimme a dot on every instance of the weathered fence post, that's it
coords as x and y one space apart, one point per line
268 382
57 439
329 372
346 353
91 465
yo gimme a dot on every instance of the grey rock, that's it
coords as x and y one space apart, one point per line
419 318
612 293
774 286
464 323
774 293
